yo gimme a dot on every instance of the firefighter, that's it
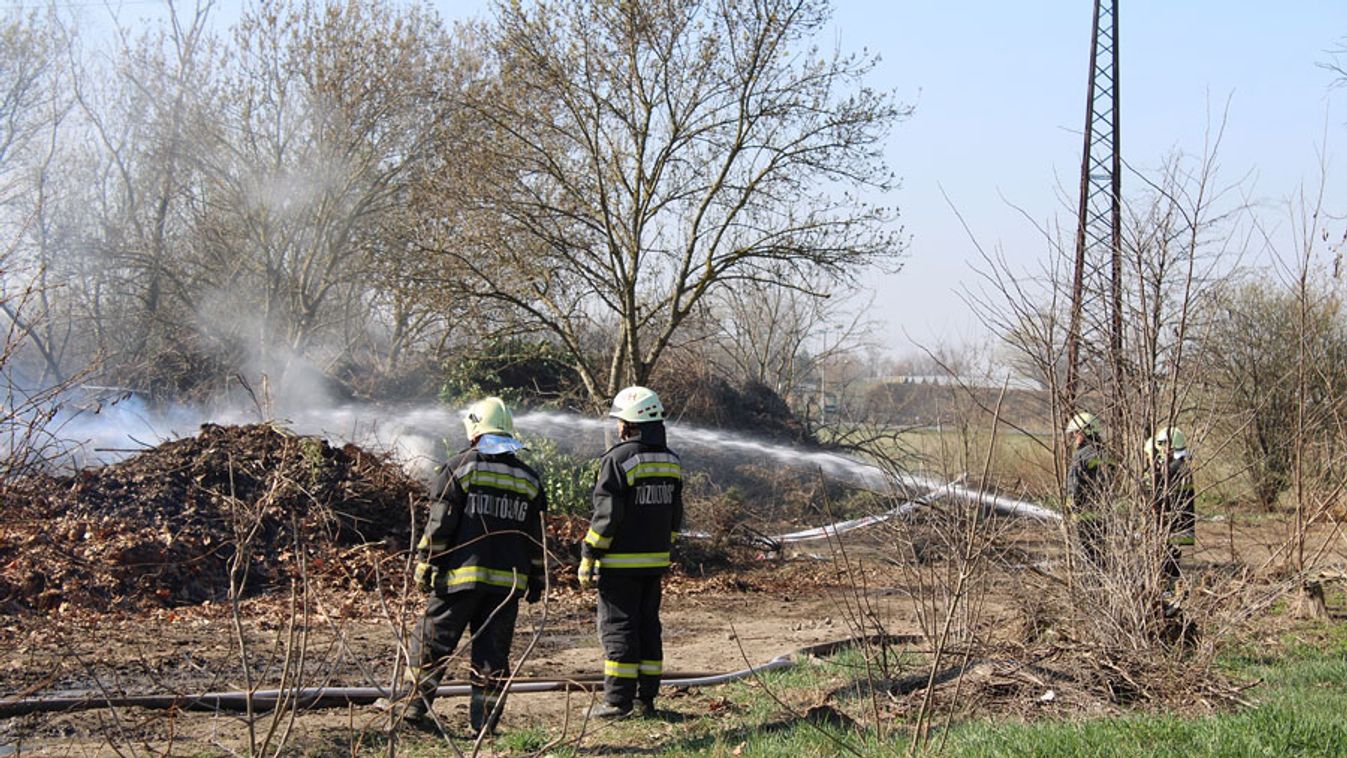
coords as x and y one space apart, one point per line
481 550
1087 483
1175 497
638 512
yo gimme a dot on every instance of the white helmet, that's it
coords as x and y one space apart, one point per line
1086 423
488 416
637 405
1167 438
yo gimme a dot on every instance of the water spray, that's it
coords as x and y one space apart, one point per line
417 435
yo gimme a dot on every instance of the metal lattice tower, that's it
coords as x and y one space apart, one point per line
1096 288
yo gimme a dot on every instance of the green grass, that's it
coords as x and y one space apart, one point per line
529 739
1300 709
1288 723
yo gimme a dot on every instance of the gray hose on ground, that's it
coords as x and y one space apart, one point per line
312 698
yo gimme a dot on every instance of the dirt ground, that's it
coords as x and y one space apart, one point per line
715 623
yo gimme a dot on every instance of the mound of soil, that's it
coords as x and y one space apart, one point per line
175 524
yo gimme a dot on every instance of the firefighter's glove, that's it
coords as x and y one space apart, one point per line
424 577
586 573
535 590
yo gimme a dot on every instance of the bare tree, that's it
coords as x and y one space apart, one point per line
329 106
31 113
214 203
125 218
31 376
28 51
1252 353
643 156
782 336
1182 231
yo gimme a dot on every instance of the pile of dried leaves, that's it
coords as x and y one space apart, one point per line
253 505
175 524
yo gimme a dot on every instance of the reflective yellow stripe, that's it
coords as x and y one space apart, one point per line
634 560
639 458
1185 539
652 668
646 465
620 670
673 537
501 482
594 539
498 475
481 575
654 470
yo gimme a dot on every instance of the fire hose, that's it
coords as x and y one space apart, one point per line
313 698
933 490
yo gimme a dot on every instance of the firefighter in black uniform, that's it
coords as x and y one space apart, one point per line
1174 495
481 550
1087 484
638 512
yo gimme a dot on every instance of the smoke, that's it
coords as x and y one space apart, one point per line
419 437
100 430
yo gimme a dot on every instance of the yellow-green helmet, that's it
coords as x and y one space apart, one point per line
1086 423
488 416
1166 439
637 405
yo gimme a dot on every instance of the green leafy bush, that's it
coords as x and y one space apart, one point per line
568 479
518 371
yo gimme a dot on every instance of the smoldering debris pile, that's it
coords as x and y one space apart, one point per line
164 528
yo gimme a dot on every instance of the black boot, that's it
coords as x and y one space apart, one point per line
417 712
610 712
417 718
484 710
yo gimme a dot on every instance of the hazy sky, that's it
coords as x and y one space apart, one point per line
999 90
1000 93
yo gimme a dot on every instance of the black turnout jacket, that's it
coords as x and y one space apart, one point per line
1087 479
485 527
638 505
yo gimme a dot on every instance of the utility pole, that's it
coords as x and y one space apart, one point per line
1096 284
823 372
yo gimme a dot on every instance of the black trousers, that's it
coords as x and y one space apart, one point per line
490 616
1170 566
1092 534
630 632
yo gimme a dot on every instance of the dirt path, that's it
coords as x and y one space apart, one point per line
707 629
716 623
